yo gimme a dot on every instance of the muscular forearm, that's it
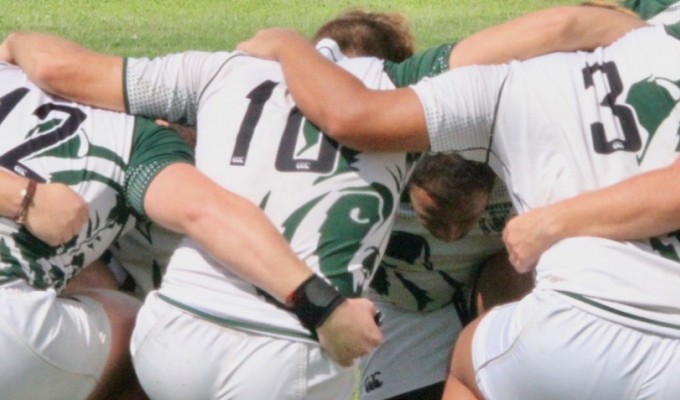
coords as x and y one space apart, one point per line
239 236
644 206
542 32
67 69
232 229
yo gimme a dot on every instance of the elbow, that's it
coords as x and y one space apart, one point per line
342 123
562 24
195 215
47 70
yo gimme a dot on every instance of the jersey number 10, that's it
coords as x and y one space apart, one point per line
285 157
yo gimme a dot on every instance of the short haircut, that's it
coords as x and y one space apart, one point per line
452 181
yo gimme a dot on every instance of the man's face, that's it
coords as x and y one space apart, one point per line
448 223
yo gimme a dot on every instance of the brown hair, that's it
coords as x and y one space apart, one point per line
450 180
361 33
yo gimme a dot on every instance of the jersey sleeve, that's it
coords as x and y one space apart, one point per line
170 87
428 63
460 107
154 148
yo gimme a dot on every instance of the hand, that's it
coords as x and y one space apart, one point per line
527 236
350 331
56 199
267 43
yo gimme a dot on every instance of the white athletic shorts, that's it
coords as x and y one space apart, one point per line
50 347
544 348
415 352
179 355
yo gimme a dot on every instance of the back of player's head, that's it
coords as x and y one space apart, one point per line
360 33
449 178
449 194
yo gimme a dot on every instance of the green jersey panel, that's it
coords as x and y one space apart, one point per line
430 62
647 8
155 148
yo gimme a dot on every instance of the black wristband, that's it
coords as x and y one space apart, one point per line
313 301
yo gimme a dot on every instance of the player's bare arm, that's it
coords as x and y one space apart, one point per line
637 215
542 32
35 208
52 61
57 65
238 234
338 102
390 121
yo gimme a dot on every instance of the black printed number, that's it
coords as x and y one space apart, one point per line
285 157
12 159
631 136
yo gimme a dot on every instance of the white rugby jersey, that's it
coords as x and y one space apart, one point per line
422 273
334 205
564 124
50 140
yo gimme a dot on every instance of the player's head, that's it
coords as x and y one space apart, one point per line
449 194
360 33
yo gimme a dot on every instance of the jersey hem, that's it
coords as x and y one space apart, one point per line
233 323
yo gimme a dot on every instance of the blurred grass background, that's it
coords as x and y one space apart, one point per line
152 27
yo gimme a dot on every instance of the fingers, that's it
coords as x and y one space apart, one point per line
56 199
351 331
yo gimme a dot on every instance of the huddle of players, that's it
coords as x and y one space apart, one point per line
419 277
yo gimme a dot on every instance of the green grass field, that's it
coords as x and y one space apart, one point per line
151 27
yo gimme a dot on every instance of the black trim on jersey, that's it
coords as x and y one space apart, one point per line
235 323
624 314
330 51
126 103
217 71
495 119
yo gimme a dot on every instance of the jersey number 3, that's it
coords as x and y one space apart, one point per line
631 136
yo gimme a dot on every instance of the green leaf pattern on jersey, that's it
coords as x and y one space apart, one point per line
44 266
354 214
667 250
13 270
653 100
407 248
311 135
